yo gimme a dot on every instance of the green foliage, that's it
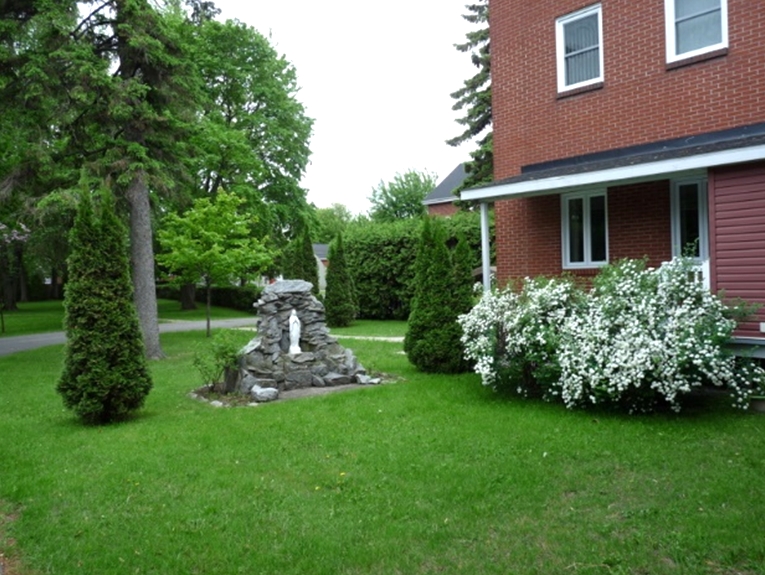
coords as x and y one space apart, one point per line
401 198
299 261
218 355
329 222
475 98
105 375
432 341
212 242
340 297
381 260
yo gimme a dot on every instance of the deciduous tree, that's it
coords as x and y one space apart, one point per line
212 242
402 197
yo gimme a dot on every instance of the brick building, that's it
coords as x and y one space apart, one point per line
630 129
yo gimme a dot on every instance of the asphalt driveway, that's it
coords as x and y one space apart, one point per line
9 345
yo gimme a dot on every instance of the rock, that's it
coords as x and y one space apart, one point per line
264 394
335 378
298 379
247 382
216 403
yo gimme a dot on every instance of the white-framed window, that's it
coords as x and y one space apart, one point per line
690 221
584 229
695 27
579 48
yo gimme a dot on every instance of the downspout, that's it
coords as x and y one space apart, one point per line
485 250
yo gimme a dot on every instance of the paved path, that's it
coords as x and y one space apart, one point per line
9 345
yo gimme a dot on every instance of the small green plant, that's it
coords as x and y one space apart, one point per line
220 355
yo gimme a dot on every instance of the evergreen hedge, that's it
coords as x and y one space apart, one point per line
339 300
433 338
381 259
105 375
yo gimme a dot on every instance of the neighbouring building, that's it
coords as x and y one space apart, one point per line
440 202
627 129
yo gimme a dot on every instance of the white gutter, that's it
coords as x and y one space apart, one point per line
621 175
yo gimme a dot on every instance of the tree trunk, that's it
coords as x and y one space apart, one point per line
142 262
209 297
22 277
188 295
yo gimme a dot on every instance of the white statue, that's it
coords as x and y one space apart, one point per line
294 333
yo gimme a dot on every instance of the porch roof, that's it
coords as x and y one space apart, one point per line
670 158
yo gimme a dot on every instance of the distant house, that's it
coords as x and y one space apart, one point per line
630 130
321 253
440 202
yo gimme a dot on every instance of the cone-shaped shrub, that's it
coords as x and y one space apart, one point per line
432 341
340 299
300 261
105 375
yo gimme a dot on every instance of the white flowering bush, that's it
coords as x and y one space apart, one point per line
639 339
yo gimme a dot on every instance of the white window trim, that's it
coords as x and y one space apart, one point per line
677 248
560 47
669 25
566 247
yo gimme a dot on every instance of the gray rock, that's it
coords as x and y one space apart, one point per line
298 379
247 382
335 378
264 394
216 403
318 381
288 286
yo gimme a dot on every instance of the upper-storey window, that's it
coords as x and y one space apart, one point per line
579 45
695 27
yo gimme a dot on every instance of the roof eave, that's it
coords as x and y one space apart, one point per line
614 176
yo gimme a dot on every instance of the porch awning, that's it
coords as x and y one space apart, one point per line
671 158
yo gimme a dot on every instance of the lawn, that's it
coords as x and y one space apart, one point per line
46 316
430 474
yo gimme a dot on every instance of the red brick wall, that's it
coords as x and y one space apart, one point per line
638 226
443 210
641 100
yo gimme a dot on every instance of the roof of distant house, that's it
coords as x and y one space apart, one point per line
443 193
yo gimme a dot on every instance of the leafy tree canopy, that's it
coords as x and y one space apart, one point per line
212 242
401 198
329 222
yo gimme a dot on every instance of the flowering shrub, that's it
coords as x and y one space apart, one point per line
640 337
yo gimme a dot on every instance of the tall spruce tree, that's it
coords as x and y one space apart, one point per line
340 300
105 375
475 99
432 341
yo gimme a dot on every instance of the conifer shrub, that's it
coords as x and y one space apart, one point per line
432 341
105 376
340 299
299 261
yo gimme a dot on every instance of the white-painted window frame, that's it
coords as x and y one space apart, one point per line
588 263
701 187
671 36
560 46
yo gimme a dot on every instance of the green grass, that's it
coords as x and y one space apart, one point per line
430 474
46 316
376 328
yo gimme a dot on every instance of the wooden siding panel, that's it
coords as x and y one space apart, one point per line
737 227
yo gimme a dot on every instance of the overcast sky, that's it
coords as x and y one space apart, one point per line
376 79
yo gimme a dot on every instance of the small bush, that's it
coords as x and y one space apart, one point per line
215 357
641 338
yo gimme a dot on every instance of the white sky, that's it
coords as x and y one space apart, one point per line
376 79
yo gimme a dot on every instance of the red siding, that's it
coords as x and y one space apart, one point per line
737 236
